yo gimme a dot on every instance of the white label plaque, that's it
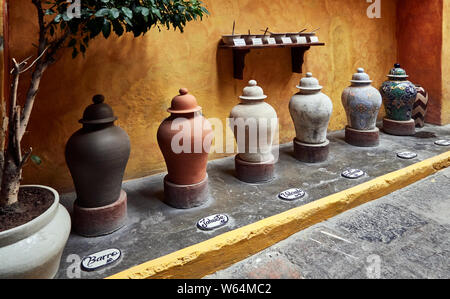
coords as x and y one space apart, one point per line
314 39
257 41
443 142
286 40
301 40
239 42
292 194
100 259
353 173
212 222
271 41
407 155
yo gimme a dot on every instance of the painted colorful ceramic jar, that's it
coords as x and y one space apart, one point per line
254 111
420 106
185 140
398 95
311 111
362 102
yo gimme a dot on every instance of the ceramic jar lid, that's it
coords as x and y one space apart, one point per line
253 92
184 103
309 83
397 72
98 113
361 77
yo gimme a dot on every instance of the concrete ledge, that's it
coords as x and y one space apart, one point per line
224 250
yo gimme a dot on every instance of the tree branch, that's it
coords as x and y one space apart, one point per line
26 157
34 62
17 147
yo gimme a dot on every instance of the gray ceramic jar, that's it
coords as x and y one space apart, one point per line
97 155
361 102
311 111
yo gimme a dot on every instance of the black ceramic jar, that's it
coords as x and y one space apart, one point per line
97 156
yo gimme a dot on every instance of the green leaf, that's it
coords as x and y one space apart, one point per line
49 12
114 13
57 19
36 160
127 12
106 29
102 12
156 11
205 10
66 18
145 11
117 27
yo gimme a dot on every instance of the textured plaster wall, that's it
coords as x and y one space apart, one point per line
140 76
2 42
446 64
419 47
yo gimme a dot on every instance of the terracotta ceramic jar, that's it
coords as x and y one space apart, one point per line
398 96
187 162
185 140
362 103
311 112
254 124
97 156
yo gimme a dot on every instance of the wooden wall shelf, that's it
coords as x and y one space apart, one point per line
239 53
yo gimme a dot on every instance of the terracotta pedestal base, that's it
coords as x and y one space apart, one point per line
94 222
368 138
399 128
311 153
185 196
254 172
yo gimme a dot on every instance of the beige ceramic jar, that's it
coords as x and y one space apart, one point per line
254 123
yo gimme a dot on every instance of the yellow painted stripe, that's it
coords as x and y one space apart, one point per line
222 251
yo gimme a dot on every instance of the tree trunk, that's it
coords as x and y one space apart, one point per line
12 175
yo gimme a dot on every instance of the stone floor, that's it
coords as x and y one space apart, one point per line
154 229
401 236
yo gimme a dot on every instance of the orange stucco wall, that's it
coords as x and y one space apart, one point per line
419 48
446 64
140 76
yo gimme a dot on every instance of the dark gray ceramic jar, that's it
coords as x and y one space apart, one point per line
97 156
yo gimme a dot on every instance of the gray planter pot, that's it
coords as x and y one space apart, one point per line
34 249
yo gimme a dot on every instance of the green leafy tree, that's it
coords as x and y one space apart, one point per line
74 25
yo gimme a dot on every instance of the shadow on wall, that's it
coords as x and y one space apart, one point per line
74 82
272 69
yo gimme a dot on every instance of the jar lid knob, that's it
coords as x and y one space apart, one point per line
360 70
252 83
397 65
184 91
98 99
309 74
98 113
